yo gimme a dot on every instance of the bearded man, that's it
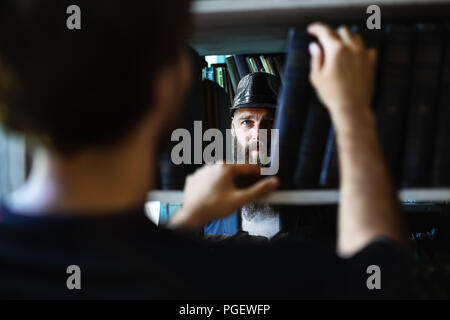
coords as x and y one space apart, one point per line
252 115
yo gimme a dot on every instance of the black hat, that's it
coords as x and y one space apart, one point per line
257 90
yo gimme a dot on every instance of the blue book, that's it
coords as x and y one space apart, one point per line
241 65
292 106
312 146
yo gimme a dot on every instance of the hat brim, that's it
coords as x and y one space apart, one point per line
253 105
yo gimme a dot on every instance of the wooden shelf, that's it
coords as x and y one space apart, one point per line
320 197
261 26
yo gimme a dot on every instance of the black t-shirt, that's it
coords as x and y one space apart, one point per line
126 256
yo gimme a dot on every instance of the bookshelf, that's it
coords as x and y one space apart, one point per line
256 26
320 197
223 27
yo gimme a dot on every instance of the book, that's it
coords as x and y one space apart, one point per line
273 66
440 172
210 73
259 65
279 61
252 64
291 113
232 71
312 146
329 174
392 102
264 63
219 73
241 65
269 66
418 146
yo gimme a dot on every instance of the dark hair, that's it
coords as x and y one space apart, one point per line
79 88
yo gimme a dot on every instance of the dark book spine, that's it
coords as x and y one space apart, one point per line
273 66
422 106
241 65
292 106
393 93
312 146
440 173
259 64
232 70
329 175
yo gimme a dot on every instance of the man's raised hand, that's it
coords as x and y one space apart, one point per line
211 193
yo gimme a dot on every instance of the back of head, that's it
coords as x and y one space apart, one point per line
80 88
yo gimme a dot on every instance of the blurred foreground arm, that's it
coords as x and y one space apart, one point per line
210 194
342 72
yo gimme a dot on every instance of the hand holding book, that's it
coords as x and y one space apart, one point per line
342 70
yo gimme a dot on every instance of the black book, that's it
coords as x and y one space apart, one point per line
312 147
392 101
292 106
440 173
418 148
329 176
241 65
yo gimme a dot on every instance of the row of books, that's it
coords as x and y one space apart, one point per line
218 73
240 65
411 103
228 74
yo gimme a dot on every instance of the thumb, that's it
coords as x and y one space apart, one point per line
256 191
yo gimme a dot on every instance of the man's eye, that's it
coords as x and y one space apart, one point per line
246 123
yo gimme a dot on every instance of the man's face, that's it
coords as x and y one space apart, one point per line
245 128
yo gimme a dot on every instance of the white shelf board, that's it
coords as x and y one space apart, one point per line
317 197
213 6
261 26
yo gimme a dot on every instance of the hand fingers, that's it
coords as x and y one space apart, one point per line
316 57
256 191
327 37
349 38
243 169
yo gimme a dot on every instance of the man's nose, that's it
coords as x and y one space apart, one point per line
255 131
